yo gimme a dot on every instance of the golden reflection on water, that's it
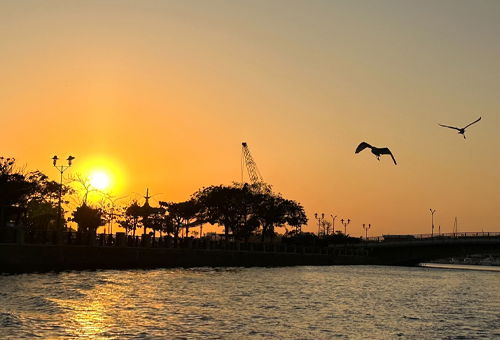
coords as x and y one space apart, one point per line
88 314
89 317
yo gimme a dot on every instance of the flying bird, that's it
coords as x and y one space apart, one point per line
461 130
376 151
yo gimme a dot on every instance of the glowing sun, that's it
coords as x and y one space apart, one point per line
100 180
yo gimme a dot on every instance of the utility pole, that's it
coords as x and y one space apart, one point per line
432 221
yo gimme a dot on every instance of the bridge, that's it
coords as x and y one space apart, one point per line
412 252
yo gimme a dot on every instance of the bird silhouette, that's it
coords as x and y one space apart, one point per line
376 151
461 130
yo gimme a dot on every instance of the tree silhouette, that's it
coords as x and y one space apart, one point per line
295 215
126 222
41 208
14 192
153 218
225 206
82 182
181 215
175 217
88 218
271 212
242 209
168 225
27 197
133 213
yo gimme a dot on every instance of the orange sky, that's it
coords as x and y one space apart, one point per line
162 93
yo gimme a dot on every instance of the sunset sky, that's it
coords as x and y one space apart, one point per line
161 94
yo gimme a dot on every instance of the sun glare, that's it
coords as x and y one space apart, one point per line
100 180
104 174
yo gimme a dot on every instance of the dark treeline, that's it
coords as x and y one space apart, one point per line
244 211
27 198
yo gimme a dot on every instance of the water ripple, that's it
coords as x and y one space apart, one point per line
341 302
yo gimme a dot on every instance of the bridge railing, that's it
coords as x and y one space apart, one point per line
416 237
19 235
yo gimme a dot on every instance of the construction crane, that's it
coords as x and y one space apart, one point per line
247 160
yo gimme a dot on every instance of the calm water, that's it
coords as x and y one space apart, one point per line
346 302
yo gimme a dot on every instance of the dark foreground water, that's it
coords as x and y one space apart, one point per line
346 302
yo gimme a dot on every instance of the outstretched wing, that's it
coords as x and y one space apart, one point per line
474 122
362 146
450 127
386 151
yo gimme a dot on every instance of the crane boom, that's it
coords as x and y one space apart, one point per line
253 171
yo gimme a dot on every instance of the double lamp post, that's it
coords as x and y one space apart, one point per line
61 169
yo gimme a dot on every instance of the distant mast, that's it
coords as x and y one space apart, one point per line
248 162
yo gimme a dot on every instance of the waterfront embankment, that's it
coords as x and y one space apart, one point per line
31 257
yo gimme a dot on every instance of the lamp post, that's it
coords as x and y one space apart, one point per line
432 221
61 169
345 223
320 219
366 228
333 224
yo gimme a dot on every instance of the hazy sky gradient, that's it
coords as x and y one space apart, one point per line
166 91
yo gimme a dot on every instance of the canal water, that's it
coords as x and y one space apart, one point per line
336 302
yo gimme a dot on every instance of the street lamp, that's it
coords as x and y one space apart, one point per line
61 169
345 223
333 224
432 219
366 228
320 219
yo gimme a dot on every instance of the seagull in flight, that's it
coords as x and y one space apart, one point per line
461 130
376 151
